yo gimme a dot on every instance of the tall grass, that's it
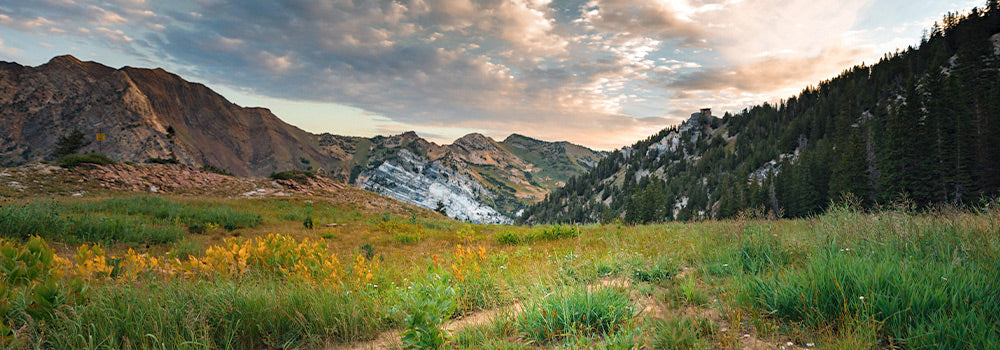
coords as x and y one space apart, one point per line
575 310
161 208
927 282
133 219
51 220
209 315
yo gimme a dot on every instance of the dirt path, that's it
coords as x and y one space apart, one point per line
744 336
391 339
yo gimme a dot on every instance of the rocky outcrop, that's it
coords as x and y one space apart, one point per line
414 179
144 113
151 113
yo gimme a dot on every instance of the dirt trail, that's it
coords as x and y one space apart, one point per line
745 335
390 339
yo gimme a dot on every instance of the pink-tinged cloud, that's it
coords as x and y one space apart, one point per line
603 73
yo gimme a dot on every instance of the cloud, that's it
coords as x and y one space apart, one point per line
656 19
771 73
604 73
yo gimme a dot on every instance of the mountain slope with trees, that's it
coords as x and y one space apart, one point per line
921 126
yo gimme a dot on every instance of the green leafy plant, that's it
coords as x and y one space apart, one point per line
427 307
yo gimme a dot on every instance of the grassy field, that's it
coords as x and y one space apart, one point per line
140 271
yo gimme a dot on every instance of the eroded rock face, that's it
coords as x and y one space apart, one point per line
414 179
151 113
144 113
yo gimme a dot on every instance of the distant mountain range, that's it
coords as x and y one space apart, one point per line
919 129
153 114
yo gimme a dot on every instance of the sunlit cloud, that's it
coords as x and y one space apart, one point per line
603 73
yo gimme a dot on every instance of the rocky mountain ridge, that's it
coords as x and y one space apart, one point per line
153 114
475 178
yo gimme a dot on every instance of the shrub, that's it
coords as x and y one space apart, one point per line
162 161
74 160
299 176
208 168
69 144
427 306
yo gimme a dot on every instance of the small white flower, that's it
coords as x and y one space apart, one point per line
861 297
725 265
790 344
809 345
376 286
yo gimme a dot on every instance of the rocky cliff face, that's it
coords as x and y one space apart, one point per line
414 179
144 113
151 113
476 178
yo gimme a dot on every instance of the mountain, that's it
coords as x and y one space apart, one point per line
475 178
144 113
151 114
919 129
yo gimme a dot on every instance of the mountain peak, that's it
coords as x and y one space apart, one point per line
64 60
473 138
516 136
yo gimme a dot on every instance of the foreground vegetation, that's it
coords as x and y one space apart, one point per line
101 274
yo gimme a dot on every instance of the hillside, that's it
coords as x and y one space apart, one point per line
151 114
475 178
144 113
921 127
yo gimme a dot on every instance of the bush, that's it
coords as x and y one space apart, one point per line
162 161
429 305
69 144
74 160
208 168
298 176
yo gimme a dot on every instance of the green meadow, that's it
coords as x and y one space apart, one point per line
200 272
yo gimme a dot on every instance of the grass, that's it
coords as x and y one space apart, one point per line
682 333
920 291
575 310
52 220
928 280
239 314
128 219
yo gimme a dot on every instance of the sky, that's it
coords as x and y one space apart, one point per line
601 73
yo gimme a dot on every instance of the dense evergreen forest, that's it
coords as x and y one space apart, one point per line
922 126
